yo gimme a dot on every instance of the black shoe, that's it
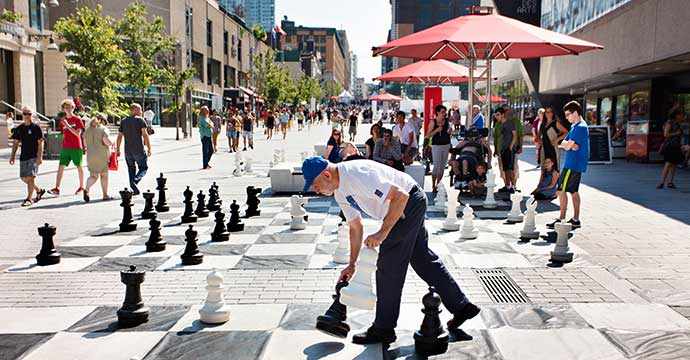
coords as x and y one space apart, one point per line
87 198
553 224
469 311
575 223
511 191
374 336
503 189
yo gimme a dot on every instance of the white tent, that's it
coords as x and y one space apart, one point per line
345 97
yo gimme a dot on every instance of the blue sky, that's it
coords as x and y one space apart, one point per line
366 22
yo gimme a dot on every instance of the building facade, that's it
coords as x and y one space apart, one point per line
353 69
360 89
260 12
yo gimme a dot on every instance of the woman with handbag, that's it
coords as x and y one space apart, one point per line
671 148
98 156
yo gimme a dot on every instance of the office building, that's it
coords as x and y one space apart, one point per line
260 12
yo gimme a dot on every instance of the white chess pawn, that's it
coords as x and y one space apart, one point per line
341 255
238 164
360 292
297 213
214 310
560 253
441 197
451 223
490 202
468 231
529 230
515 214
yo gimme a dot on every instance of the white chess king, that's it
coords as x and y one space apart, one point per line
468 230
451 223
529 230
490 202
515 214
297 213
341 255
360 292
214 310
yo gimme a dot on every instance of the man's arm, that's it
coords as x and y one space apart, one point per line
147 141
356 231
398 201
39 152
513 143
15 146
119 142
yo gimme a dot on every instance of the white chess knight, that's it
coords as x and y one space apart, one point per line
341 255
529 230
441 197
515 214
360 292
214 310
560 253
239 164
297 213
490 202
468 231
451 223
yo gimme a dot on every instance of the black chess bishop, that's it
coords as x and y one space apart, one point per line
188 216
201 210
127 223
235 224
191 254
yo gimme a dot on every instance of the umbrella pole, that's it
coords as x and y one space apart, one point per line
488 91
470 93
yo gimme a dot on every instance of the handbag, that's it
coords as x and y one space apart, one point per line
150 131
113 161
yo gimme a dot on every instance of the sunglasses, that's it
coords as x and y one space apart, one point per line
27 114
336 134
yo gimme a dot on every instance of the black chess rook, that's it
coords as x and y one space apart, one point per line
188 216
201 210
148 212
235 224
162 205
127 223
155 242
220 232
191 254
48 255
253 202
432 338
333 321
133 311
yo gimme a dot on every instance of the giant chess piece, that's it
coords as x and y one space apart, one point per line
341 255
560 253
148 212
188 215
252 202
201 210
432 338
239 164
155 242
191 254
305 155
162 205
235 224
133 311
282 155
529 230
333 321
360 292
220 232
515 214
248 166
214 202
214 310
468 230
451 223
490 202
297 213
127 223
441 198
276 157
48 255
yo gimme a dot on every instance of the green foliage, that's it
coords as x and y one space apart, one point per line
307 88
331 88
272 81
10 16
93 59
175 82
259 32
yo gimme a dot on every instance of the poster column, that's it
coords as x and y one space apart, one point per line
432 96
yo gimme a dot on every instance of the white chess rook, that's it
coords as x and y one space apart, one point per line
451 223
297 213
341 255
360 292
515 214
490 202
214 310
529 230
468 230
560 253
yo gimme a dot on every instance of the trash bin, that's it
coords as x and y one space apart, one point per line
53 144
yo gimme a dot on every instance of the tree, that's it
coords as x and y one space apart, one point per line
175 83
307 88
272 81
93 59
144 41
331 88
259 32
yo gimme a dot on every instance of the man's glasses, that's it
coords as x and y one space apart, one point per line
27 114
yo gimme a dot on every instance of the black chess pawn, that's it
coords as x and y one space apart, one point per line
201 210
191 254
432 338
148 212
133 311
188 215
48 255
333 321
253 202
155 242
162 205
235 224
220 232
127 223
214 202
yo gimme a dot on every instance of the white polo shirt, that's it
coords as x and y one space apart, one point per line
364 186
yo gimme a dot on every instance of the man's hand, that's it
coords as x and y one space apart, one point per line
148 152
12 160
346 273
39 161
375 239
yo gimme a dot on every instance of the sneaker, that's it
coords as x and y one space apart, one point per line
27 203
245 149
86 196
575 223
503 189
469 311
39 195
553 224
374 336
54 191
79 190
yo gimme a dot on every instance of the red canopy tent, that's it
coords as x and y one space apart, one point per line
483 35
385 97
432 71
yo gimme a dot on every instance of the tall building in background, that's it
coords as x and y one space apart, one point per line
235 7
260 12
353 69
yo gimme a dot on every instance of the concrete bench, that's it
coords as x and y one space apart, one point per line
286 178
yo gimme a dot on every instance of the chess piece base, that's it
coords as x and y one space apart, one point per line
332 326
514 219
298 224
235 227
162 208
128 227
189 219
148 215
208 314
48 259
202 214
529 235
215 207
195 259
349 297
157 246
131 318
487 205
561 258
469 235
224 236
431 345
448 226
252 213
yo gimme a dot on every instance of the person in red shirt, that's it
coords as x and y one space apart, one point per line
72 128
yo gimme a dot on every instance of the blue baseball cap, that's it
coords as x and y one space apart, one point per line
311 168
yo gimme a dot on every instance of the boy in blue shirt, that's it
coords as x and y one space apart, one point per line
576 147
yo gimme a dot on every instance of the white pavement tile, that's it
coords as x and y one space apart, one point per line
242 318
561 344
65 265
632 316
307 344
221 262
280 249
270 230
323 262
439 248
241 239
110 240
486 261
97 346
140 251
179 230
40 320
257 221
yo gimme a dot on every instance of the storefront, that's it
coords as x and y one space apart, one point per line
155 100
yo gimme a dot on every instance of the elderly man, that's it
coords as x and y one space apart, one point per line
367 188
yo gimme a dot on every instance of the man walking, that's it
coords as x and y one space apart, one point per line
30 136
576 147
506 148
367 188
133 130
417 123
72 147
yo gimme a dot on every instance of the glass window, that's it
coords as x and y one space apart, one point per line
622 117
198 64
209 33
213 69
591 111
605 111
225 42
639 106
35 15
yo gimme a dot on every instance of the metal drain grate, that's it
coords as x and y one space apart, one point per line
500 287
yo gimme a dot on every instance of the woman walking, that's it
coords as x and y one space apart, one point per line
439 133
671 148
205 131
270 124
551 133
230 131
97 156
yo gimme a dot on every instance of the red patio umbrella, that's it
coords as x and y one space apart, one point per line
431 71
494 99
385 97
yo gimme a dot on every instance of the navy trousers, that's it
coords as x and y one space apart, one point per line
408 243
206 150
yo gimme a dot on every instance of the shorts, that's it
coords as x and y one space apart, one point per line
247 134
28 168
353 130
71 155
232 134
569 181
507 160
